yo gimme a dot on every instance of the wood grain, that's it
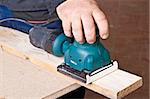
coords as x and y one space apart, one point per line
22 79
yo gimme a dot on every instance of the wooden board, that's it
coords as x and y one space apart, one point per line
22 79
115 85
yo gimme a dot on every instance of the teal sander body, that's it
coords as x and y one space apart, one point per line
85 57
82 61
85 62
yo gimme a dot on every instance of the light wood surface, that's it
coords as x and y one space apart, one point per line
20 79
115 85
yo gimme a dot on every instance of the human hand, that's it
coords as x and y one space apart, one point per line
81 15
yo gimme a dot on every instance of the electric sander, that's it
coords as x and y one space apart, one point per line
85 62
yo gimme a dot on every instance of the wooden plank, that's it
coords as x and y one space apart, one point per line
22 79
119 83
115 85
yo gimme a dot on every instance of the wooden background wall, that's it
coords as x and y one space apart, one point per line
129 39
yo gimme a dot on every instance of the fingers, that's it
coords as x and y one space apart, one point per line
77 18
78 24
89 28
67 28
77 30
101 22
86 22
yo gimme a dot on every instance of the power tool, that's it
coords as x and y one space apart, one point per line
85 62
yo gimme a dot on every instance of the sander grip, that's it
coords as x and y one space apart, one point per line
43 38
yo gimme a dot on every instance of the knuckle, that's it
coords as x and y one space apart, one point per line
58 9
